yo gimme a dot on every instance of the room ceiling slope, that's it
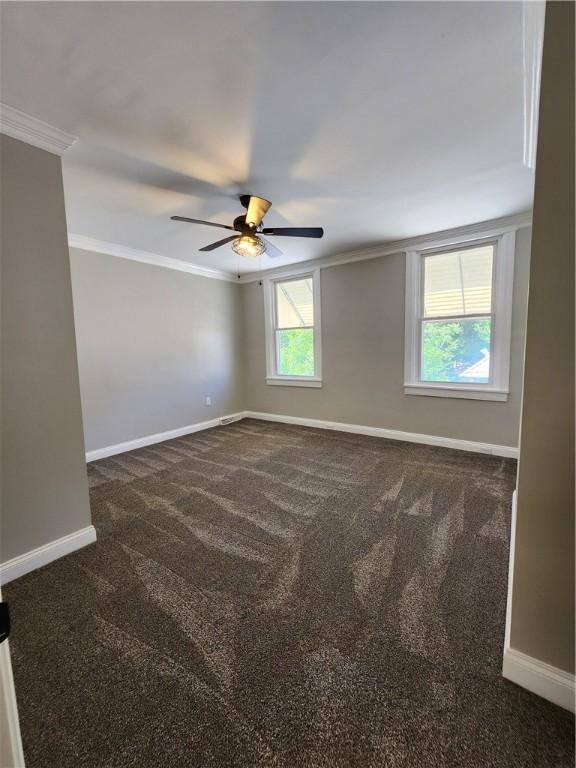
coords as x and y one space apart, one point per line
378 121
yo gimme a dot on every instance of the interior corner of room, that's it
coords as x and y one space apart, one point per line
315 459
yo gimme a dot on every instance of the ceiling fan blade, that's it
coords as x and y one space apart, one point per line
199 221
271 249
217 244
257 208
294 231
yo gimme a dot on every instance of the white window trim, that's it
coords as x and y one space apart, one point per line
503 280
272 376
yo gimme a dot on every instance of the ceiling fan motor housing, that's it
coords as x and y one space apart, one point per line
241 226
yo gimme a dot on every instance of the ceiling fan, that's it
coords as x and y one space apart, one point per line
249 241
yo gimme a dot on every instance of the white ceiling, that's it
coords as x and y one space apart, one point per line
377 120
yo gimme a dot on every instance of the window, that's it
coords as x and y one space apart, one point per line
293 330
458 319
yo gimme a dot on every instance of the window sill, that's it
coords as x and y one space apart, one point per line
466 392
293 381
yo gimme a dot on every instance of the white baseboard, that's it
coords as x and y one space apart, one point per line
391 434
542 679
36 558
159 437
359 429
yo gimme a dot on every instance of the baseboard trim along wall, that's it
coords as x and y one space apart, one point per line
358 429
36 558
391 434
542 679
160 437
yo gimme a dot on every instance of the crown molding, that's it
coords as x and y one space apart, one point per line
29 129
491 228
145 257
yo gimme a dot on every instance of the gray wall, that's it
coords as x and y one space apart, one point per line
363 358
152 344
543 586
44 484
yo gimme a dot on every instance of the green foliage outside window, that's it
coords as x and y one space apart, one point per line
296 352
450 347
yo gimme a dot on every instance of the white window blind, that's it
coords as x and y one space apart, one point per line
295 304
459 282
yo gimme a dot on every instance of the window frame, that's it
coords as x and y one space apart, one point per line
272 375
498 387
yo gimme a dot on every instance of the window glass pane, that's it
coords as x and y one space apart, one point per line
459 282
294 304
295 349
456 350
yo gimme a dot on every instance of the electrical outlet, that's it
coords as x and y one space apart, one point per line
208 401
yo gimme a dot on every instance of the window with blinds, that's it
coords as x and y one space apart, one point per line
294 327
456 316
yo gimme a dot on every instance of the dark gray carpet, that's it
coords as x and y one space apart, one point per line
269 595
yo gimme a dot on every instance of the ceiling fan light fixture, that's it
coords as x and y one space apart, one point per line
250 246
